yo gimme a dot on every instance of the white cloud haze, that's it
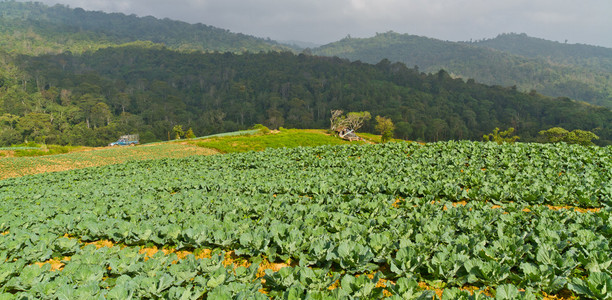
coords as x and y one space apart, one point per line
324 21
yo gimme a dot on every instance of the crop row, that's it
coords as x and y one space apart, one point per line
125 273
339 210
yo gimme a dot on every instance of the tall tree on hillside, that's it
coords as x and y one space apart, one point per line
100 115
35 125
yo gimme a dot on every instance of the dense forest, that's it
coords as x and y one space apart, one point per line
34 28
560 70
599 58
580 72
92 97
68 76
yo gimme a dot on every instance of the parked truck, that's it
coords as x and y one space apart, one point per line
126 140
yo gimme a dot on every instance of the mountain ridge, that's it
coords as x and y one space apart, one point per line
487 62
70 83
62 27
92 97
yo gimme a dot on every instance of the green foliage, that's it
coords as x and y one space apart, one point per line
91 97
35 29
355 120
577 136
581 137
263 129
349 122
577 71
178 132
555 134
289 138
568 54
227 134
337 211
46 150
501 137
189 134
597 286
385 127
10 136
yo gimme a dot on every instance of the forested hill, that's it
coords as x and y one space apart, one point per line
573 54
91 98
35 28
577 71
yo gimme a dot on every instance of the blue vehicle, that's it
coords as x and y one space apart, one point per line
126 140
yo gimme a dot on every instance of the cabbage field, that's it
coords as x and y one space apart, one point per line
451 220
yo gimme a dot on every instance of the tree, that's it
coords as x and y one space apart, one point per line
354 120
8 120
35 126
178 132
403 130
558 134
100 115
275 118
336 120
385 127
298 115
214 119
555 134
501 137
437 128
9 136
581 137
87 103
189 134
263 129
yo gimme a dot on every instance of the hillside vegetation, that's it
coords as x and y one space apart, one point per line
68 76
91 98
34 28
580 72
563 53
281 219
285 138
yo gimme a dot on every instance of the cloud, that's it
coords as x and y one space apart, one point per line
325 21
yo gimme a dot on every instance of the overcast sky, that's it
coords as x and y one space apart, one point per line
325 21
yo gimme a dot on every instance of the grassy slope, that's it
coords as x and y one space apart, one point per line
21 166
228 143
38 150
286 138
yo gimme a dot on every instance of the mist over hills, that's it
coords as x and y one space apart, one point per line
69 76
